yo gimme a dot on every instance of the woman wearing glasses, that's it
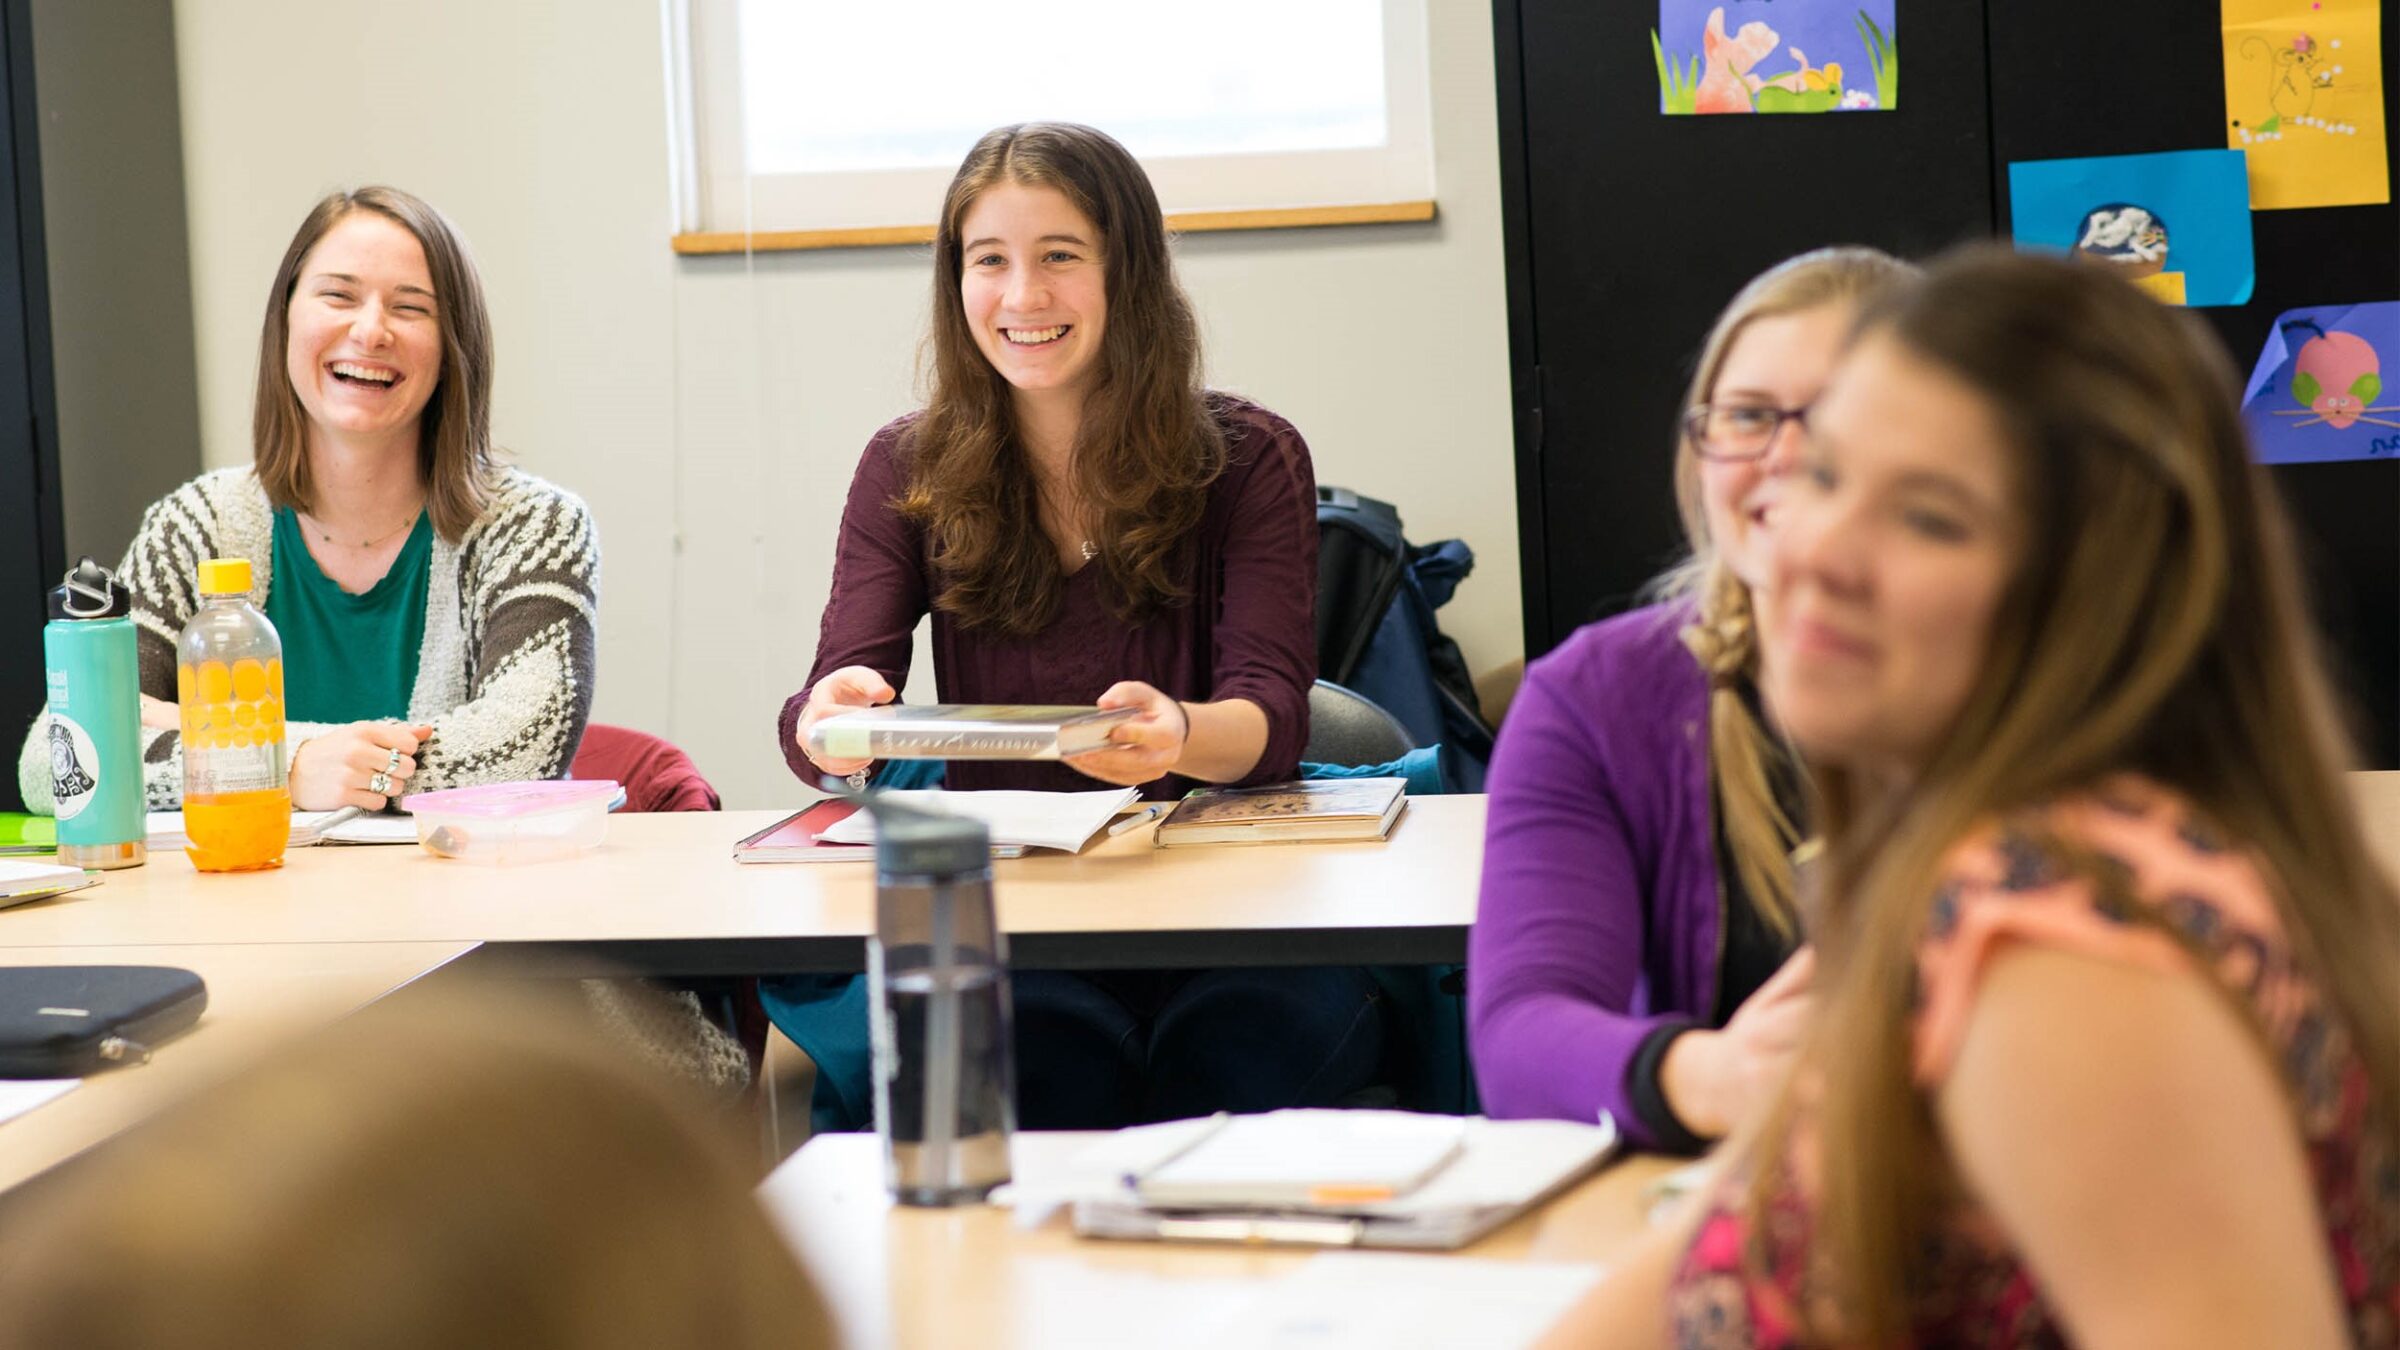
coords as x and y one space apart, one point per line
1637 948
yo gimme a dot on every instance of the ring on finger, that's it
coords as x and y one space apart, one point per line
380 784
392 765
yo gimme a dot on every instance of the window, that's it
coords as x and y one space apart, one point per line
807 115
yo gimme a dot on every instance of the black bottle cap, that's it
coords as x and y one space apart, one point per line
89 592
911 842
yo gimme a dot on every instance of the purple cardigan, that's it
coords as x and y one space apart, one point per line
1601 912
1248 630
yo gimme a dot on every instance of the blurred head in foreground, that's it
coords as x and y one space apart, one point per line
449 1173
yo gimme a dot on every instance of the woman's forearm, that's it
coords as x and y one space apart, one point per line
1225 740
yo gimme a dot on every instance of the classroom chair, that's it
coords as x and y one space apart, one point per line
1346 727
658 776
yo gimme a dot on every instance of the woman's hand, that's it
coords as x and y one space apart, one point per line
160 715
340 768
1713 1079
845 690
1144 747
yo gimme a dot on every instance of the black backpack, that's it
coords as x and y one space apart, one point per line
1376 632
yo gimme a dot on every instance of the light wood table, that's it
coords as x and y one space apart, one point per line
904 1277
2377 793
257 996
664 896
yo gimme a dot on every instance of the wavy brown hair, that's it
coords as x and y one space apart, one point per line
1147 448
2156 627
1722 636
455 458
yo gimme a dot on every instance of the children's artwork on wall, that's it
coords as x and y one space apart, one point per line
2176 224
2318 391
2304 98
1776 56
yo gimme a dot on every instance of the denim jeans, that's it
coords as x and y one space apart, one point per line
1100 1049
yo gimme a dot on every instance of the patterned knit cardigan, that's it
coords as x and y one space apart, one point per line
505 672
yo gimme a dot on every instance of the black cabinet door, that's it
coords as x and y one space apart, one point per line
2347 515
1626 231
1629 230
30 529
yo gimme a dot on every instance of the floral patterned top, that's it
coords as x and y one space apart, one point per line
2195 902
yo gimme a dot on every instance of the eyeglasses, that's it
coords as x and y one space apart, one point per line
1733 433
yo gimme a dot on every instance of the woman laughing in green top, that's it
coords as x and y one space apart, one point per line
437 609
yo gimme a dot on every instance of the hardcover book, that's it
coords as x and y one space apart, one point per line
965 731
1331 808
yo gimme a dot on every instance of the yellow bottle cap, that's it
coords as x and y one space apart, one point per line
225 576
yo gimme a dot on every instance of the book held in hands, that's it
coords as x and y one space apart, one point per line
1275 813
965 731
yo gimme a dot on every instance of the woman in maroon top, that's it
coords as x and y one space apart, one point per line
1087 524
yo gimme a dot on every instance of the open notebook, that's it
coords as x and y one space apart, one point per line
165 829
801 838
1325 1178
1061 820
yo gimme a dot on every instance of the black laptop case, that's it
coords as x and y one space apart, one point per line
67 1021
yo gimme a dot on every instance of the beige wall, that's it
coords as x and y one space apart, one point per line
120 284
711 410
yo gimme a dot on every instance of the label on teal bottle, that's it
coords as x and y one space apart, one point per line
74 766
95 731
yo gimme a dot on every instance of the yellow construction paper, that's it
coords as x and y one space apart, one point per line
2304 100
2165 287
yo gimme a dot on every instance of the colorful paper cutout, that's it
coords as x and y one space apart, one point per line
2325 386
2304 97
2177 223
1721 56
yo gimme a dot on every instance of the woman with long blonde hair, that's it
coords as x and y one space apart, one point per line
2107 1045
1633 952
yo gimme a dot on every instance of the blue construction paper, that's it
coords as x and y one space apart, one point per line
2200 197
2327 385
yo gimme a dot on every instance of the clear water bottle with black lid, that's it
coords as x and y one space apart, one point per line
945 1080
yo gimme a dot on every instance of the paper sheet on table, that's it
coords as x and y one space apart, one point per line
2319 391
2304 99
20 1095
1060 820
164 830
1358 1298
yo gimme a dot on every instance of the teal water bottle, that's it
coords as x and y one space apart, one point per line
95 721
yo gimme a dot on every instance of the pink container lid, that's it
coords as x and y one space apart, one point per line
507 801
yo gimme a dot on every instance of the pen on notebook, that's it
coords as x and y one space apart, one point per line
1201 1134
1147 813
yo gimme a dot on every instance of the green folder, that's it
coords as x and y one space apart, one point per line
21 833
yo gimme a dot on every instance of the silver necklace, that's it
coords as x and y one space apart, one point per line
327 535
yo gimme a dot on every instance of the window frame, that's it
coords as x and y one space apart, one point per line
720 210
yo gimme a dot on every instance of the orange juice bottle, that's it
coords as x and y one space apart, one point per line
237 808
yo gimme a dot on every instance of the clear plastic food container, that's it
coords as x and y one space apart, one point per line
514 822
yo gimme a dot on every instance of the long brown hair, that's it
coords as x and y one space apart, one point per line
2156 627
1759 834
455 457
1148 447
451 1169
